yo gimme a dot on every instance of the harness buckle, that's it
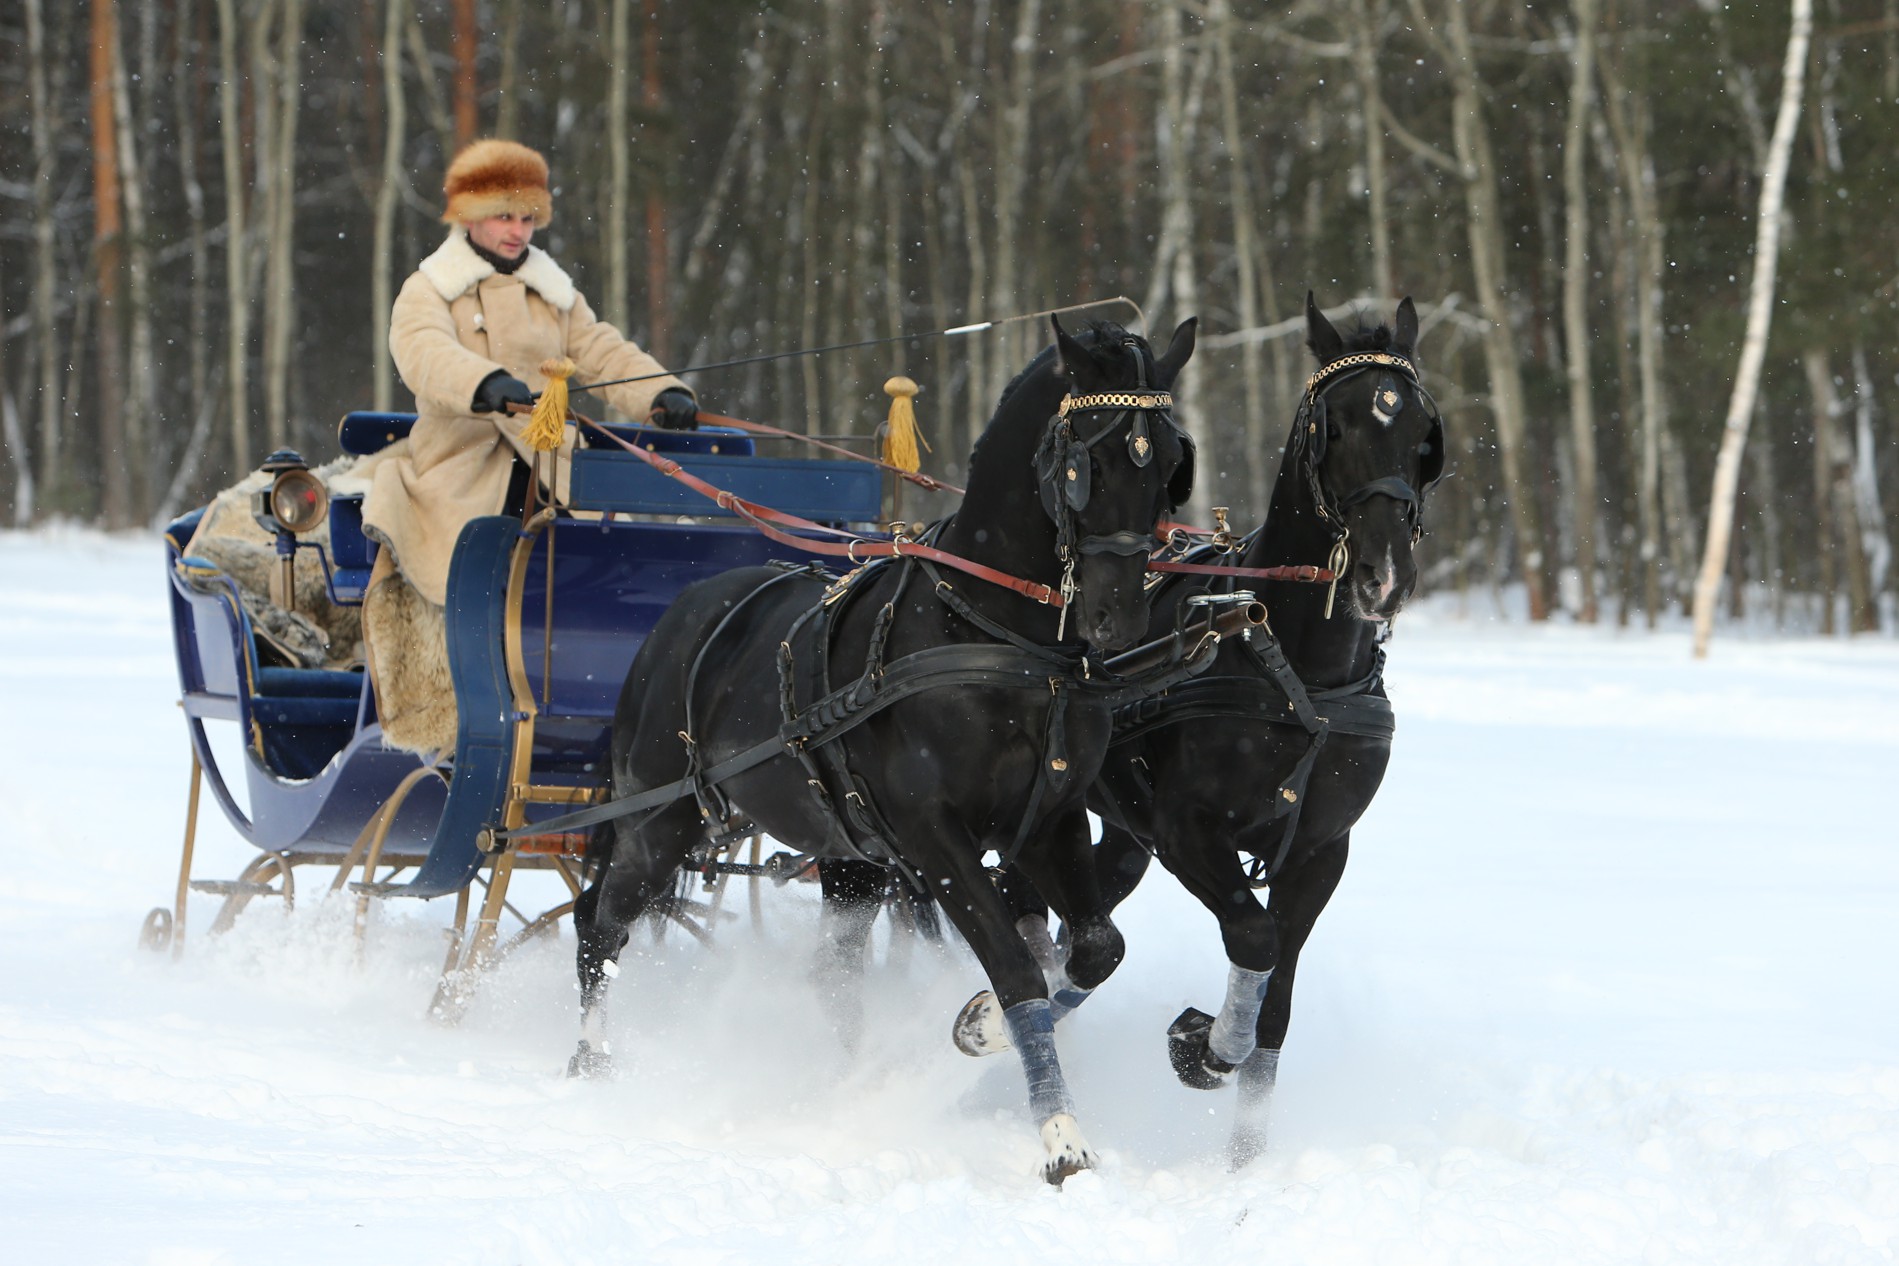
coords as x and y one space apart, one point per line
1222 531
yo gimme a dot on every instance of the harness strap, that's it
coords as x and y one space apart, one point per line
772 522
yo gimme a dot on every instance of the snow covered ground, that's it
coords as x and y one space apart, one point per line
1610 980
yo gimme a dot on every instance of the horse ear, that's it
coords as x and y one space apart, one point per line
1405 336
1178 352
1320 336
1072 355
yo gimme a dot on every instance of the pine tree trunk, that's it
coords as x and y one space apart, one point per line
1823 403
1246 251
13 439
1638 178
388 193
51 486
1582 406
1483 216
1366 20
467 111
619 178
141 405
1727 467
115 454
1866 480
280 311
236 287
659 282
1835 504
507 112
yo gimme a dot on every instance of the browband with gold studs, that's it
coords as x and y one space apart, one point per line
1117 400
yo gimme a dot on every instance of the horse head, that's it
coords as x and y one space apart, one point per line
1112 464
1371 446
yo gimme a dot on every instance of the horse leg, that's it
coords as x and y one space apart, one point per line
1298 896
640 867
1120 861
1205 1049
1092 946
853 891
979 912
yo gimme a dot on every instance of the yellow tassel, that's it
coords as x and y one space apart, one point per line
901 436
549 422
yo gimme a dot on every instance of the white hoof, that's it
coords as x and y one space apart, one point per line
1068 1152
980 1029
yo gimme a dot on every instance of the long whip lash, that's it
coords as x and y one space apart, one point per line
954 331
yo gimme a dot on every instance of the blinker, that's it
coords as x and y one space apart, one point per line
1076 474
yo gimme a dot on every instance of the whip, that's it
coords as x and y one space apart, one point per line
955 331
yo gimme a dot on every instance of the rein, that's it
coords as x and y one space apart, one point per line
771 522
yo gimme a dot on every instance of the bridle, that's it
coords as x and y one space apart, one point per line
1064 470
1309 436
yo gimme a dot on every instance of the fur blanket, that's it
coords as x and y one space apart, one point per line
408 656
414 696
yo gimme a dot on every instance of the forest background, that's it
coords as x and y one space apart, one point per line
206 205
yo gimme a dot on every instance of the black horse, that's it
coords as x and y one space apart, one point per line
1254 774
970 717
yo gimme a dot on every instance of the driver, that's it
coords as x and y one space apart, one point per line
469 332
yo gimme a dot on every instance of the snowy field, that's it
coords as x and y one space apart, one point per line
1610 979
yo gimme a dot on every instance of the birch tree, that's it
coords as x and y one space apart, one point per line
1727 470
1576 272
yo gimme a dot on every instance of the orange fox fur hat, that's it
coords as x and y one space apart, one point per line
496 178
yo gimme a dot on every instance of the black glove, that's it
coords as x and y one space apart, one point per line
675 410
499 390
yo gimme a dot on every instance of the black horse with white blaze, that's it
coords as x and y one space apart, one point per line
912 715
1253 774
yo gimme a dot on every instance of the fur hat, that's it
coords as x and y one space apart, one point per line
497 178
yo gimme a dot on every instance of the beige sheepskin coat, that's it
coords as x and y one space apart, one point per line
456 321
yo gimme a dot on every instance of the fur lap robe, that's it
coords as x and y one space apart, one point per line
319 633
414 697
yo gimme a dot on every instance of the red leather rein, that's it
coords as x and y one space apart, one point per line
860 549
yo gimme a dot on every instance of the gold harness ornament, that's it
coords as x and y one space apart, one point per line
1353 361
1117 400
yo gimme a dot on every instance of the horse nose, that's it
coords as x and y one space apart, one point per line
1108 630
1378 582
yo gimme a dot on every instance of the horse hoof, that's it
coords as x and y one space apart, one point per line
590 1063
979 1029
1194 1061
1068 1152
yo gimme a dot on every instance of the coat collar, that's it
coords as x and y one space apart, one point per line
454 269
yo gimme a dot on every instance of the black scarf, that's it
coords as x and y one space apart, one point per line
502 264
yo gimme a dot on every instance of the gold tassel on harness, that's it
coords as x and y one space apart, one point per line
544 429
900 434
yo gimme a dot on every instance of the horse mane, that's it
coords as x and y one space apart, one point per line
1102 339
1364 337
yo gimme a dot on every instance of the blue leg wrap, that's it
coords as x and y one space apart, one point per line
1232 1038
1063 996
1032 1029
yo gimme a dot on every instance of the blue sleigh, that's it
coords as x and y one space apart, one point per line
536 677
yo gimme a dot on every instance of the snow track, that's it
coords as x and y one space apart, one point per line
1609 980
